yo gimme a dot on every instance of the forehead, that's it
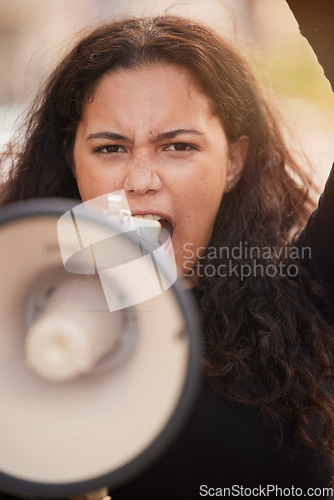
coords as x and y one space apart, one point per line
156 93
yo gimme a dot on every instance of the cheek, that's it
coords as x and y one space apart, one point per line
93 181
90 187
203 208
206 195
87 183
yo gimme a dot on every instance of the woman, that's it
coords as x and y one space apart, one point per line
166 110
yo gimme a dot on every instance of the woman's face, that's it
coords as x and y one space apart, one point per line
151 132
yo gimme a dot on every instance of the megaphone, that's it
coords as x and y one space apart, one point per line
96 379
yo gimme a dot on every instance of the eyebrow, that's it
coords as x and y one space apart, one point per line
175 133
172 134
108 135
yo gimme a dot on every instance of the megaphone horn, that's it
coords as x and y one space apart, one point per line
94 383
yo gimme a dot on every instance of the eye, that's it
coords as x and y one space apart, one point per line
111 148
180 146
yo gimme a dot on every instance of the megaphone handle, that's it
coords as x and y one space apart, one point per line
101 494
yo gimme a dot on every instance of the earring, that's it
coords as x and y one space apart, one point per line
230 185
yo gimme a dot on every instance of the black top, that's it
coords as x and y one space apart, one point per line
226 445
319 236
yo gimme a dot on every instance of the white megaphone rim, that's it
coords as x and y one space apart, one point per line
16 486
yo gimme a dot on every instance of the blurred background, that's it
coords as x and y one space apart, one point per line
35 34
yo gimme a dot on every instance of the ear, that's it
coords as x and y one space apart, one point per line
237 156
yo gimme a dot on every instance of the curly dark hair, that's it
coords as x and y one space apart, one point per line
267 345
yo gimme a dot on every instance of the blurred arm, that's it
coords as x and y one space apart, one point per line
316 24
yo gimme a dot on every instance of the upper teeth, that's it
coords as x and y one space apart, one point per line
148 216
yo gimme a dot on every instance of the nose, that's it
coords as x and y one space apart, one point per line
142 177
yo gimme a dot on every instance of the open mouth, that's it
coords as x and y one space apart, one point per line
166 230
166 226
